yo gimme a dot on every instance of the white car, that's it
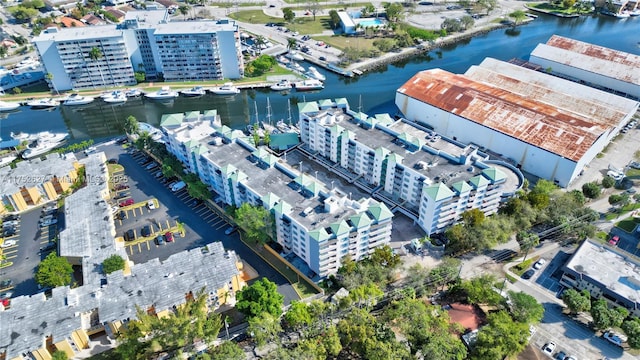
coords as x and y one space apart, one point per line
539 264
613 338
151 205
615 175
8 243
548 348
48 222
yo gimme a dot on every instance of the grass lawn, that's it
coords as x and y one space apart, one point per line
628 224
555 8
524 266
254 17
342 42
633 173
627 208
307 26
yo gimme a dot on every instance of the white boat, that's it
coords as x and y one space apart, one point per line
43 135
315 74
293 55
40 148
45 103
225 89
164 93
634 12
77 99
134 92
7 160
154 132
194 91
115 97
281 85
295 66
8 106
283 60
309 84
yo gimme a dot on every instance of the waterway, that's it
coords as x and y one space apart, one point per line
373 92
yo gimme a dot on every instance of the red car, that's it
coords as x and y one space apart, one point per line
614 240
168 237
127 202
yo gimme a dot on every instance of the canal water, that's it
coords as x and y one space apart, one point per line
372 92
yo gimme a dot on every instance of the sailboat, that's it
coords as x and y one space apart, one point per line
266 125
287 127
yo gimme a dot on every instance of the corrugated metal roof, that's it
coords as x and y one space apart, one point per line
597 59
548 127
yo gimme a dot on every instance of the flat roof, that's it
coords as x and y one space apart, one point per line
346 19
611 268
35 172
79 33
596 59
147 17
193 27
548 127
494 72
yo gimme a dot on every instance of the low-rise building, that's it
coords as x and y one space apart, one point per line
37 181
607 273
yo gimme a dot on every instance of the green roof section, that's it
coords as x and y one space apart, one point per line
200 150
226 131
318 235
313 187
340 228
360 220
380 212
260 153
228 169
348 134
342 101
462 187
494 174
283 141
384 119
361 116
396 158
191 143
325 103
479 181
169 120
282 207
381 152
211 114
270 199
307 107
238 176
303 179
336 129
439 192
191 115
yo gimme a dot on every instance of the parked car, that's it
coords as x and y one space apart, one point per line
151 204
614 240
548 348
539 264
560 355
10 223
49 222
90 150
8 232
127 202
160 239
168 237
8 243
12 217
158 174
615 175
151 166
5 283
528 274
613 338
146 231
121 187
6 295
112 161
49 207
178 186
129 235
230 230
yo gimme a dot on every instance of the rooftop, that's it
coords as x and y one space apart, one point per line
147 18
557 130
193 27
615 270
35 172
79 33
596 59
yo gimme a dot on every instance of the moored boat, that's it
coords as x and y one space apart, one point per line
164 93
294 55
133 92
315 74
77 99
309 84
225 89
281 85
295 66
194 91
6 160
115 97
45 103
8 106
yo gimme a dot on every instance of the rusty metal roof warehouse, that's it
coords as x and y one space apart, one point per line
551 128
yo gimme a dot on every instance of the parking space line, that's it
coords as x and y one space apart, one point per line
216 223
221 226
148 247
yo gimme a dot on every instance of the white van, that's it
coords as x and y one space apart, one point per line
178 186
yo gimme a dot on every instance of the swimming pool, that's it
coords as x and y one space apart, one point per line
371 22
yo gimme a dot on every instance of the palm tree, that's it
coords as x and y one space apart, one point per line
260 40
95 54
49 77
292 43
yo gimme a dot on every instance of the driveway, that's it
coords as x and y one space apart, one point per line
143 185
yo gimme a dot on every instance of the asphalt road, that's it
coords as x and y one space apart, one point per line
144 186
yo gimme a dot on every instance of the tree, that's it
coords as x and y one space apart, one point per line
288 15
23 14
384 256
394 11
567 4
527 242
292 43
467 22
591 190
227 350
59 355
525 308
131 125
95 54
264 328
577 302
366 294
616 199
334 19
260 297
518 16
451 25
112 263
631 328
604 317
256 221
608 182
501 338
479 290
143 141
297 315
184 10
367 10
198 190
445 272
54 271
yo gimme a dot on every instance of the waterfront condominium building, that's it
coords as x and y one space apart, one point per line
318 224
426 176
147 41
